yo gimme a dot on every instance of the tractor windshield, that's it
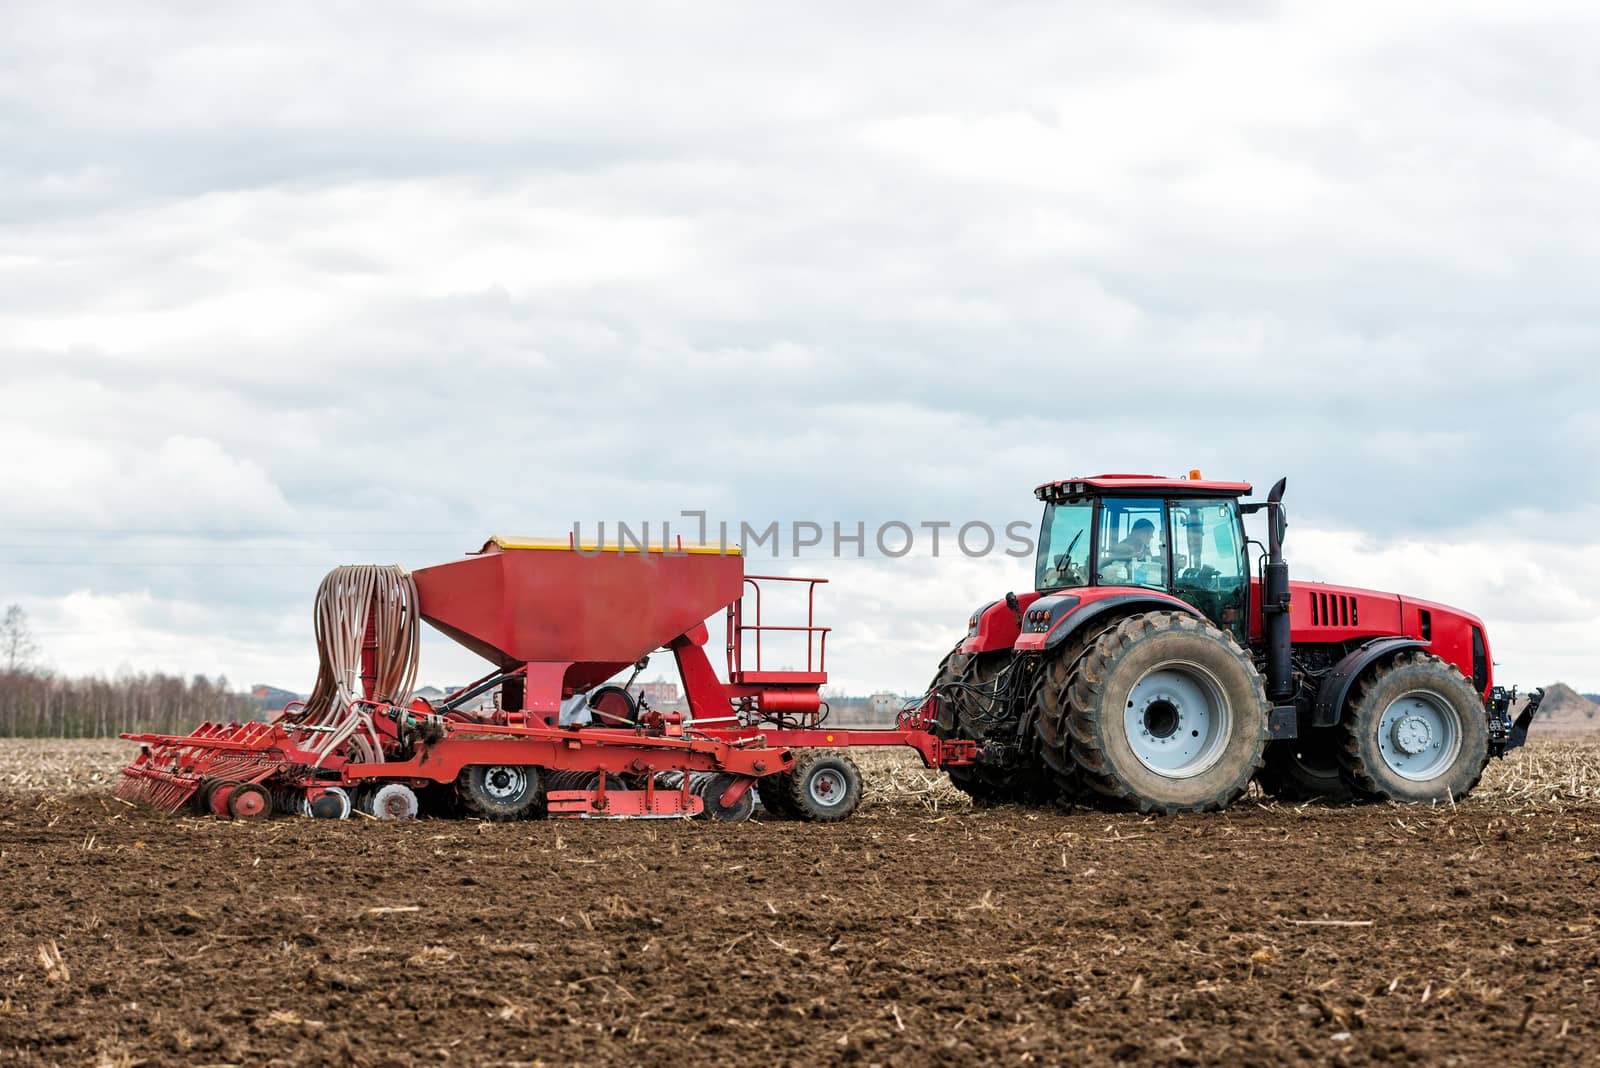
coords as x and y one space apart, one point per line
1132 545
1064 546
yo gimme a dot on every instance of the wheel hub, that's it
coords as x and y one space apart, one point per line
1412 735
1419 735
1162 716
503 782
827 788
1177 720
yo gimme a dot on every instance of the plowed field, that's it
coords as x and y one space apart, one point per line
915 933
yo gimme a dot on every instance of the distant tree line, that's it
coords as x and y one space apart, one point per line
35 703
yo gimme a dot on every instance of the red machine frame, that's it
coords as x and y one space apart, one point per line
744 729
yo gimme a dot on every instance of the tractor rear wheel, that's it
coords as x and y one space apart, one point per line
1048 710
498 791
1305 768
1167 713
1416 731
949 723
1067 780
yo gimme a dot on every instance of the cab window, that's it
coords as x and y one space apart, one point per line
1064 549
1132 548
1208 566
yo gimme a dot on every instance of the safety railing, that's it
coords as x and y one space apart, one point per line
816 637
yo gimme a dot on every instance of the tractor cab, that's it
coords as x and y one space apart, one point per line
1184 537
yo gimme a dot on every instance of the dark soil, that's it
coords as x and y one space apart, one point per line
1376 935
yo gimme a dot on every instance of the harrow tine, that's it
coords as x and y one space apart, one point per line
161 790
167 773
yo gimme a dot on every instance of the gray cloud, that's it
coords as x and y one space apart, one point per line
386 285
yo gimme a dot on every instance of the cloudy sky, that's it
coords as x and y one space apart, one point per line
287 286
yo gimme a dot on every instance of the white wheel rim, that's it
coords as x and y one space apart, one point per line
394 802
1419 735
504 782
1177 720
333 791
827 788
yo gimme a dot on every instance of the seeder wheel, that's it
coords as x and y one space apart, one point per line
712 787
331 804
773 790
200 800
216 796
498 791
824 787
249 801
391 801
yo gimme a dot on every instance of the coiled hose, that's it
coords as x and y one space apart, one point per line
346 598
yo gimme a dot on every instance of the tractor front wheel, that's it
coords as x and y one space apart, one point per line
1416 731
1166 713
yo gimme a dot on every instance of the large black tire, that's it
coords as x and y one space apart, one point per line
438 801
1049 710
824 787
498 792
1200 718
1415 731
1306 768
962 715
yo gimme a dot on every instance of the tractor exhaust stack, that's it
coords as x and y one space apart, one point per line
1275 603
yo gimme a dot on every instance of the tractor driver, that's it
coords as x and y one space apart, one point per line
1136 546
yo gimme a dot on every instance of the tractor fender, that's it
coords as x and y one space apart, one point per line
1052 620
980 637
1335 688
994 626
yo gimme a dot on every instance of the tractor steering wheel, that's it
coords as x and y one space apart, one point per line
1065 570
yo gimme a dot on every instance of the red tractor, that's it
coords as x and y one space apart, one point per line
1149 666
